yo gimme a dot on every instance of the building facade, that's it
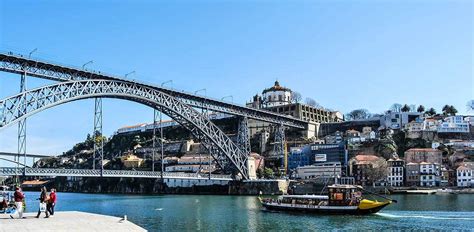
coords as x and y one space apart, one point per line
454 124
412 171
396 172
319 171
464 175
418 155
429 174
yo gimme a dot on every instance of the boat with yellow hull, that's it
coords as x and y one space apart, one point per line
341 199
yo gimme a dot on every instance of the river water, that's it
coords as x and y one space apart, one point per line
243 213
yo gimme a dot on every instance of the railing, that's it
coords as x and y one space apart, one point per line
11 171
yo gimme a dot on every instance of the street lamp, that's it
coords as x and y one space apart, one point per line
89 62
130 73
166 82
230 96
34 50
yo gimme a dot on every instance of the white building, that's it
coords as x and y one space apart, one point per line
464 175
430 124
276 96
321 170
454 124
396 174
429 174
397 120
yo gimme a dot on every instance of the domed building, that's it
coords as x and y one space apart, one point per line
276 96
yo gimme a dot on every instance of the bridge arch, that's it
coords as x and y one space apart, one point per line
25 104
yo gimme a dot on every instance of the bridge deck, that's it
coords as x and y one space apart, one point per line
50 172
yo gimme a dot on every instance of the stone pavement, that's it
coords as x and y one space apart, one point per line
66 221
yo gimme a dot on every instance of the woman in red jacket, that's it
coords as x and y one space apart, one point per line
52 201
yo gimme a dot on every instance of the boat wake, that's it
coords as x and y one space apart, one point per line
432 217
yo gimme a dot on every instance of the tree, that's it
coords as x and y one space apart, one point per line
405 108
387 147
311 102
358 114
470 105
268 173
420 109
377 171
296 97
431 112
452 111
445 110
396 107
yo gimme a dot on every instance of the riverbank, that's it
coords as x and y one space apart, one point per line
68 221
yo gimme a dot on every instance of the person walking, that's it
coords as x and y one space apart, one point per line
52 202
43 199
18 197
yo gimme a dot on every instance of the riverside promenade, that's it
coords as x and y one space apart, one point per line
67 221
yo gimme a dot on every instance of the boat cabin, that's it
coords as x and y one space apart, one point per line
303 199
344 195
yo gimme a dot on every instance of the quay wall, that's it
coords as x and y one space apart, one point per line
155 186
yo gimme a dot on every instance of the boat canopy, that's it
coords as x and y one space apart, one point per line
310 197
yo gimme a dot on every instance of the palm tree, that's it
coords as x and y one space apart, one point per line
405 108
420 109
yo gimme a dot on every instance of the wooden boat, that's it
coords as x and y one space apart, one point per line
341 199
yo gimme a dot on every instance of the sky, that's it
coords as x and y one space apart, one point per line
344 54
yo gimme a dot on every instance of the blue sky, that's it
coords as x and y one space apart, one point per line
344 54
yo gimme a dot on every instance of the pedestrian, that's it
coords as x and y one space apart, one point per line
52 202
43 199
18 197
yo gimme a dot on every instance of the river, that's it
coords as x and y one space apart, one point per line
243 213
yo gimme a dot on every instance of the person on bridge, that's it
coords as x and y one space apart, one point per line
18 197
52 202
43 202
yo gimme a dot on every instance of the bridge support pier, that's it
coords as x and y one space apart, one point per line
98 138
243 139
22 125
279 147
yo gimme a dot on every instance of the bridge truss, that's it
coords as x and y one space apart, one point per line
221 147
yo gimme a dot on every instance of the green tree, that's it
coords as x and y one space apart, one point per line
405 108
268 173
431 111
446 109
358 114
420 109
452 111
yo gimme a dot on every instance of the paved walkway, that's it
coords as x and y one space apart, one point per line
66 221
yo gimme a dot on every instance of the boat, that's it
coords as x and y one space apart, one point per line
341 199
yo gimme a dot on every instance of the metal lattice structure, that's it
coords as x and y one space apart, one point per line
51 172
220 146
47 70
279 144
98 143
243 135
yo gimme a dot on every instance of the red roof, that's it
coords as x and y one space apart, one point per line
363 157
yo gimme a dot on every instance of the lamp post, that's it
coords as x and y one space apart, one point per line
230 96
130 73
89 62
34 50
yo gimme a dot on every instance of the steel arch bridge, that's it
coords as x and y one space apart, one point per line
220 146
